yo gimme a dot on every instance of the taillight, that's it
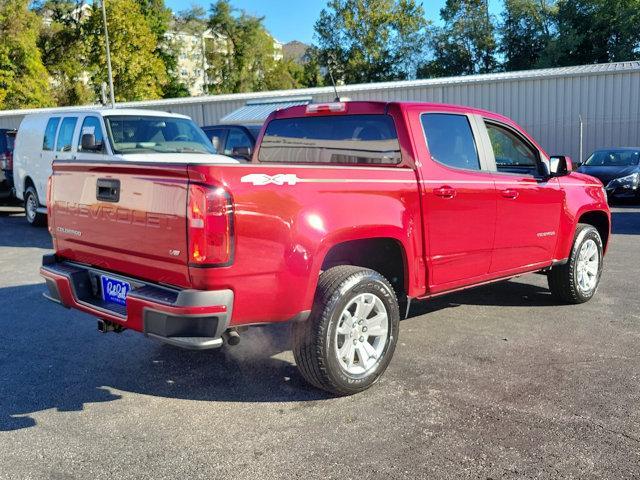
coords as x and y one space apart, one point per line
210 226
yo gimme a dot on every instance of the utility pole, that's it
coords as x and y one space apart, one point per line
106 37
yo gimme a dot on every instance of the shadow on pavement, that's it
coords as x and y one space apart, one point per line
54 358
16 232
503 294
625 223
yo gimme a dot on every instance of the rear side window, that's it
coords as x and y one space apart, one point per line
65 135
91 125
216 135
340 139
50 133
450 140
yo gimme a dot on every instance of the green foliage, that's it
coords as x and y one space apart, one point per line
370 40
159 19
241 58
595 31
527 30
24 81
466 44
138 72
64 52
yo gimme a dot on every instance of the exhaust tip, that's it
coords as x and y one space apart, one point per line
231 337
105 326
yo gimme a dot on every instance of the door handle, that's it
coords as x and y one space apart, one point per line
510 193
108 190
445 192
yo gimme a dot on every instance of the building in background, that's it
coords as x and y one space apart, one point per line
551 103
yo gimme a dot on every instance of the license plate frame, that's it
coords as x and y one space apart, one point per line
114 290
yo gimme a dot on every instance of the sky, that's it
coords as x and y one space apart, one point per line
294 19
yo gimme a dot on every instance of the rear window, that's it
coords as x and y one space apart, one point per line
343 139
11 141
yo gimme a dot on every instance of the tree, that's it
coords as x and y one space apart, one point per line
466 44
527 30
138 73
63 51
370 40
596 31
24 81
242 56
159 19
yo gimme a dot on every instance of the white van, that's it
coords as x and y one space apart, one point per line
100 135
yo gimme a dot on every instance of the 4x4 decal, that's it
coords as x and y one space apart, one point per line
263 179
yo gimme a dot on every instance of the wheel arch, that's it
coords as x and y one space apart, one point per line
385 255
600 221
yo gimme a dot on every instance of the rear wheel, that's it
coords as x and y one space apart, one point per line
349 339
31 205
577 281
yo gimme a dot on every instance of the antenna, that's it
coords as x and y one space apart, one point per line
333 82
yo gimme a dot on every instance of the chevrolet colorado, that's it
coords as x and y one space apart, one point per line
346 213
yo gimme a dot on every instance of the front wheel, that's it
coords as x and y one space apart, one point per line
349 339
577 281
31 205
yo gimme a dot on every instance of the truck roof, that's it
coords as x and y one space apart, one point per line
372 107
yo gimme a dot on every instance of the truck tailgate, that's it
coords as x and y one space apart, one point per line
125 217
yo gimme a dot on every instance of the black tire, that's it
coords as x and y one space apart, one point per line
314 348
34 218
563 279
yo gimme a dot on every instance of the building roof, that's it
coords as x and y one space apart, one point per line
597 69
256 112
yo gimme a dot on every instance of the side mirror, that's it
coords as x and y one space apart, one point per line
88 143
560 165
242 152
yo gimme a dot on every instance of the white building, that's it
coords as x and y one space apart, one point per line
549 103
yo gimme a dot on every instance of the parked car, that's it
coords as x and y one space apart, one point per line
347 213
100 135
237 141
7 137
618 169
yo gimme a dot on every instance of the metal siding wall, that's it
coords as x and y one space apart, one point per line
547 107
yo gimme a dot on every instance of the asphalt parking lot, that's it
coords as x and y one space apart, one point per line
497 382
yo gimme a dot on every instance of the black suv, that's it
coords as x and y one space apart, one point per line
236 141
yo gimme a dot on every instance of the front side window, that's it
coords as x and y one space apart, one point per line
512 154
339 139
450 140
614 158
50 134
91 125
141 134
65 135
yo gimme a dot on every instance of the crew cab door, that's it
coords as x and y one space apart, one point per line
529 201
458 197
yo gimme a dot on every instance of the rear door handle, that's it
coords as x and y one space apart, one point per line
510 193
445 192
108 190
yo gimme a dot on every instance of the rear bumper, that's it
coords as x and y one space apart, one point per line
191 319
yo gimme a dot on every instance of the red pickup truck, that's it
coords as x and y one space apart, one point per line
346 213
